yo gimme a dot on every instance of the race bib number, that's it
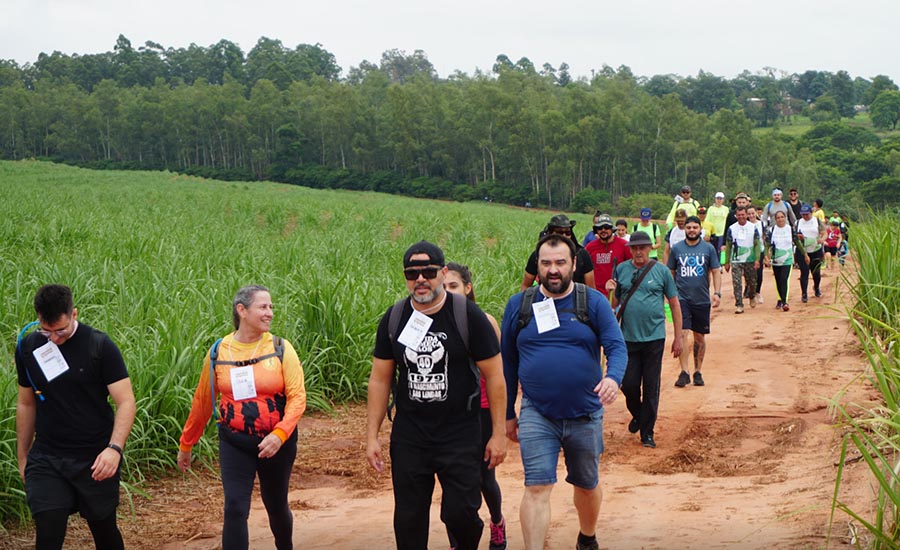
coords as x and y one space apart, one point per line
50 360
415 330
243 385
545 315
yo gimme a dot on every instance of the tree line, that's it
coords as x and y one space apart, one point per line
518 134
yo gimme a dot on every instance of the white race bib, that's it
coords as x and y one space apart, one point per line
243 385
545 315
415 330
50 360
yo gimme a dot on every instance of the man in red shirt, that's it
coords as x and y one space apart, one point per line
607 251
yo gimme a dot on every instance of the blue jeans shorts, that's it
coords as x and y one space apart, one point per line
541 438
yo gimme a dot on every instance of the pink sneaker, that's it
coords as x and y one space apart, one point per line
498 535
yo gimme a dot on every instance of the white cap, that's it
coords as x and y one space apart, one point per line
720 195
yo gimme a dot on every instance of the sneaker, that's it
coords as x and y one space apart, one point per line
592 545
739 309
754 301
785 307
498 535
683 380
818 293
698 379
779 305
634 425
647 441
804 299
759 299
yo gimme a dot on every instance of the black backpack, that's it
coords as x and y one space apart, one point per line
460 317
526 313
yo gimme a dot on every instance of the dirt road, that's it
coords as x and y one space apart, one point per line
745 462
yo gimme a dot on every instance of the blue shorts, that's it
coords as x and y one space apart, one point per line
695 317
541 438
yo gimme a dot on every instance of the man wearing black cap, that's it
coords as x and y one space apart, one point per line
428 340
560 224
606 251
683 201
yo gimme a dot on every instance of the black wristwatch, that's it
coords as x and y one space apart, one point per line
115 447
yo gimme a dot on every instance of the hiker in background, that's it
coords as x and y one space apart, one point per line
742 253
556 357
707 229
741 199
683 201
811 231
560 224
259 380
795 203
590 235
436 346
817 210
833 238
717 214
780 241
69 441
675 234
639 289
767 216
459 281
606 252
753 217
622 229
647 226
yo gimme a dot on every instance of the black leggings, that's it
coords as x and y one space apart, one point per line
782 274
815 266
50 527
240 465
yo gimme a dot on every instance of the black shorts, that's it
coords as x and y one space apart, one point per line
833 250
60 483
695 317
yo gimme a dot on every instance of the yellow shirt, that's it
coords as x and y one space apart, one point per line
819 214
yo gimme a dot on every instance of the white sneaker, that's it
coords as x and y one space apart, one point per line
759 299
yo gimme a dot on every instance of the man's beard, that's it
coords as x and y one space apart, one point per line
432 295
557 286
691 240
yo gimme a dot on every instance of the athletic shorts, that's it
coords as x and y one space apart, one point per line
833 250
695 317
541 438
59 483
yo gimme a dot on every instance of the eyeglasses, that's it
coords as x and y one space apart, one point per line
427 273
61 333
793 192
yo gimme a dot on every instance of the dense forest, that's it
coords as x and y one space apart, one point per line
519 134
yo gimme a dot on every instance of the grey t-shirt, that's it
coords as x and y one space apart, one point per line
691 265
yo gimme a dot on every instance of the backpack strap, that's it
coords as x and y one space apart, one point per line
525 311
581 303
461 317
19 339
277 343
393 326
634 287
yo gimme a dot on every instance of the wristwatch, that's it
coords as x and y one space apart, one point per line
719 294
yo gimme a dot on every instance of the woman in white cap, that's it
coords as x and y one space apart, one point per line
717 214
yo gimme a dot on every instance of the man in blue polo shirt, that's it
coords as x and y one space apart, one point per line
556 358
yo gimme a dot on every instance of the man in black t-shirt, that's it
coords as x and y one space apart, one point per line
560 224
436 429
69 440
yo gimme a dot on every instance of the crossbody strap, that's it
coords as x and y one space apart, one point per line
634 288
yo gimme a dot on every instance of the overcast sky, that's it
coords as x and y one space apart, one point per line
650 36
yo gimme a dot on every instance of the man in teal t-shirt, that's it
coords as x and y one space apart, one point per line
643 320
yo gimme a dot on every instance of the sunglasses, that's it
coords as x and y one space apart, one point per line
426 272
563 232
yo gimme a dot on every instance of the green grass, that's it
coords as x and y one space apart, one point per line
155 258
873 428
